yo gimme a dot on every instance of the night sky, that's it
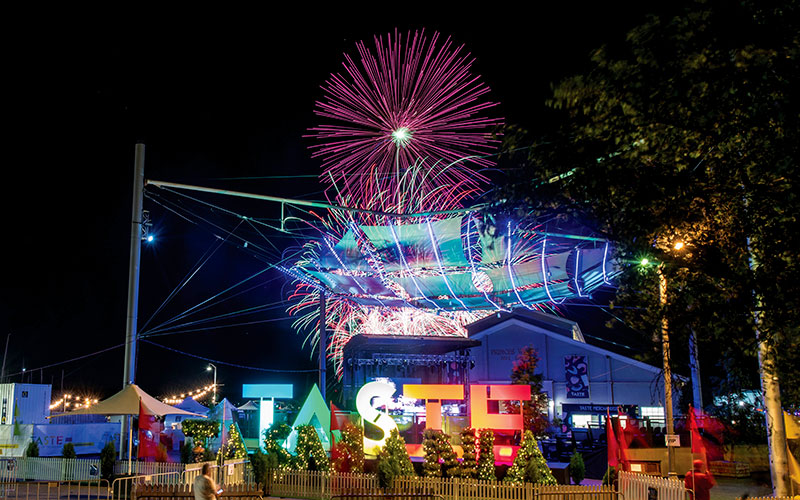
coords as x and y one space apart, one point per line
217 96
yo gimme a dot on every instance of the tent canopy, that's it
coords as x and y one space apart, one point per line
189 404
126 402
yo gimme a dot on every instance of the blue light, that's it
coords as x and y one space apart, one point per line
150 238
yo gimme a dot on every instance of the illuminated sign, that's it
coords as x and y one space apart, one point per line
378 390
266 393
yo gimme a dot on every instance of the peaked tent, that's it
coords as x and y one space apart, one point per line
126 402
189 404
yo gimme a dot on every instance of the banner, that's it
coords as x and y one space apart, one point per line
86 438
576 370
14 439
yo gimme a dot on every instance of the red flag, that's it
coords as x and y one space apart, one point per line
623 442
611 440
149 431
337 418
696 438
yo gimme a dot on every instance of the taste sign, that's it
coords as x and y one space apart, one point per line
433 394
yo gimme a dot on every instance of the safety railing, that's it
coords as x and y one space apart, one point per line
234 471
180 491
52 490
122 487
49 469
137 468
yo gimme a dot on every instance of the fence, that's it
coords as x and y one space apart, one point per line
53 490
161 491
233 471
123 487
49 469
146 468
326 486
641 487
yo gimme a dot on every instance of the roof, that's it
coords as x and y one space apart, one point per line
549 322
249 406
126 402
189 404
401 344
481 328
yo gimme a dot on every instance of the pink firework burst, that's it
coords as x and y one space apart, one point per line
406 101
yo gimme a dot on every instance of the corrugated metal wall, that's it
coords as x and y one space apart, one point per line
29 403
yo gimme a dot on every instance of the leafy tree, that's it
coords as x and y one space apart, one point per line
274 437
469 459
32 450
68 451
393 460
577 469
200 430
529 465
349 450
108 456
236 447
486 455
688 131
187 452
260 467
523 372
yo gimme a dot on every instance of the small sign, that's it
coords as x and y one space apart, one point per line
673 440
147 479
230 469
636 467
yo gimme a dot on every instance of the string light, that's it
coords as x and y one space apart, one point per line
196 394
73 402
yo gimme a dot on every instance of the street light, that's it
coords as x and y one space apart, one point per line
208 369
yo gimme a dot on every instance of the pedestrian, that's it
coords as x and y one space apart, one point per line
204 486
699 482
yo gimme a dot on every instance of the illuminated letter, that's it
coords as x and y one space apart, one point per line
266 406
373 416
433 394
313 406
480 395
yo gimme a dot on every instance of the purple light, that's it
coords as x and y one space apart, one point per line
510 273
472 263
403 101
577 271
441 268
408 269
605 256
544 276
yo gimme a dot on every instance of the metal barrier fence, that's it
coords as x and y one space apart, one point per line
49 469
54 490
141 468
235 471
642 487
325 486
122 487
180 491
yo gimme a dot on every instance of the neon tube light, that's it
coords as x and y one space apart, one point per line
408 269
544 276
441 268
577 271
510 273
474 270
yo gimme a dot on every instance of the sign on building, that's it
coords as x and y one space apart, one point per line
576 371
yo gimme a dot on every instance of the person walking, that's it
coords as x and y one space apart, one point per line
204 486
699 483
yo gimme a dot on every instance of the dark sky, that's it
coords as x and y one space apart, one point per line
214 96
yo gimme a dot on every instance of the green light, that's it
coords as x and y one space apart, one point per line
401 136
645 261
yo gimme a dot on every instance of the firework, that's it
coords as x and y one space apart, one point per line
407 101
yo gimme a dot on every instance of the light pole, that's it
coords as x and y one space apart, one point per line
662 298
208 369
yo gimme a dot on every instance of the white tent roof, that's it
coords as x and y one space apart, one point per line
126 402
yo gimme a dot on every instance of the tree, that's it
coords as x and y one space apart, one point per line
688 132
68 451
393 460
439 455
32 450
310 455
529 465
523 372
349 450
277 455
201 430
108 456
236 447
486 455
577 469
469 459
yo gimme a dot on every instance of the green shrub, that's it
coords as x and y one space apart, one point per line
32 450
393 460
107 458
68 451
486 455
260 467
610 477
577 469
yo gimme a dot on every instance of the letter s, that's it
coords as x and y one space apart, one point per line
373 416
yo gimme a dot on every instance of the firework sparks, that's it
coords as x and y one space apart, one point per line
406 101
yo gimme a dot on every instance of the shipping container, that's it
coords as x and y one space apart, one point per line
24 403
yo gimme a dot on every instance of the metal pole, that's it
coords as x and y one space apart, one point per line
5 354
214 397
662 295
694 361
323 342
129 367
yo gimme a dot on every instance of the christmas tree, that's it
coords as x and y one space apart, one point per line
349 450
393 460
236 447
523 372
469 459
277 455
431 466
486 456
529 464
449 458
310 453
